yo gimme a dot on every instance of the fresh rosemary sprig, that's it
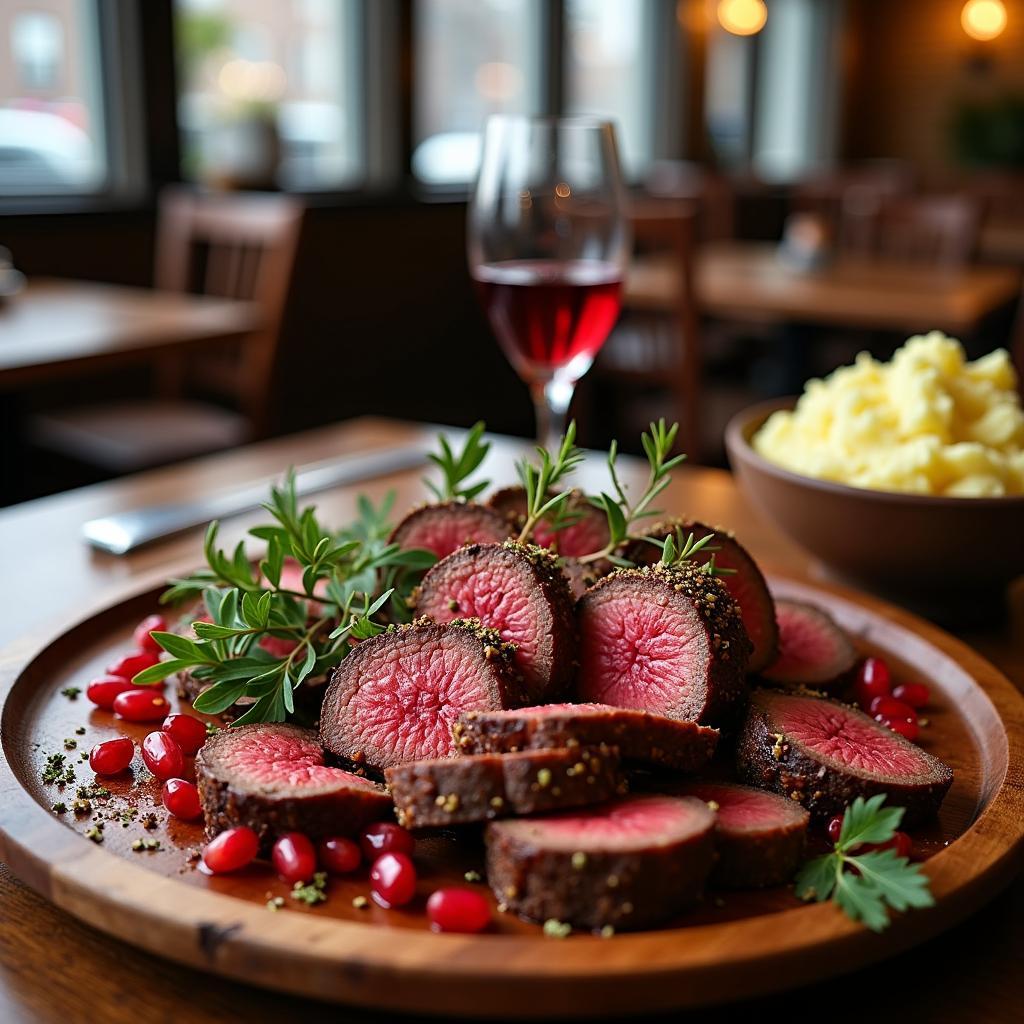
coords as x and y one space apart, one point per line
458 468
539 480
261 638
864 884
621 512
677 549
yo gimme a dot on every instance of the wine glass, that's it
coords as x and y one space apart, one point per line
548 241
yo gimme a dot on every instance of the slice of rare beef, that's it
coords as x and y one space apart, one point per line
665 640
629 864
397 695
470 789
813 649
824 754
639 736
586 532
746 583
520 591
272 778
759 836
446 526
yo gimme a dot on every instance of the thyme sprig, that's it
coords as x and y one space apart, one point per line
623 514
541 479
457 468
863 884
677 549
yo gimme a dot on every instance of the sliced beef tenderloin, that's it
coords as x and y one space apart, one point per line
813 650
520 591
759 836
640 737
273 779
746 583
397 695
665 640
823 754
463 790
628 864
586 533
446 526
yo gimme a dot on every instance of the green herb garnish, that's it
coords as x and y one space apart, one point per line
458 468
313 892
540 480
882 879
677 549
71 692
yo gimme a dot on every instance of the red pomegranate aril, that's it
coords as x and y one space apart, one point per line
393 880
340 855
873 680
143 633
181 798
906 727
111 756
231 850
163 756
891 708
103 690
132 664
835 827
916 695
900 842
294 857
458 910
189 732
385 837
141 705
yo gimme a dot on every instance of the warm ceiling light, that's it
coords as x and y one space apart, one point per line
983 19
742 17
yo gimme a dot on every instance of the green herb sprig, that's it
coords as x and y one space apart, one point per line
881 879
541 479
677 549
456 469
622 514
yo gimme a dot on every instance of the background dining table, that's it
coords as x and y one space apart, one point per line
54 968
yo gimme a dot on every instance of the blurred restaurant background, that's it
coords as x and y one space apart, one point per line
808 178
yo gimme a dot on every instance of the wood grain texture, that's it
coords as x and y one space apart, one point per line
49 965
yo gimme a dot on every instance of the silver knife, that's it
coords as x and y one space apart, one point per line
126 531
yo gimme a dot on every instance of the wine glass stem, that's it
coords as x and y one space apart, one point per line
551 401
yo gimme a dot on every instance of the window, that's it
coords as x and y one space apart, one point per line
473 58
270 92
52 132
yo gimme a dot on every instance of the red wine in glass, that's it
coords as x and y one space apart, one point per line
550 315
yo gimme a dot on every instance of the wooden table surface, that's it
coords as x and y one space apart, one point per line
747 281
55 969
60 328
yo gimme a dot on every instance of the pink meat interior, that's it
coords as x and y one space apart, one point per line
807 641
501 596
588 534
557 709
270 760
620 826
410 694
638 653
746 810
447 530
850 741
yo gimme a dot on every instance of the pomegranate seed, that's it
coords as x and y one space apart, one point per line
163 756
916 695
141 705
293 857
385 837
143 633
458 910
111 756
181 798
900 842
906 727
393 879
132 664
189 732
339 855
872 681
102 691
231 850
890 707
835 826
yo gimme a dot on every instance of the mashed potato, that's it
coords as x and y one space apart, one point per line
929 422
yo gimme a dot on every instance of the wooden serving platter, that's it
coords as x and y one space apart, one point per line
736 945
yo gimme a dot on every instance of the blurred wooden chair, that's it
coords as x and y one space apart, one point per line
657 342
710 192
240 246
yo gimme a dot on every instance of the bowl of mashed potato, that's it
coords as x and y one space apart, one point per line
907 474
